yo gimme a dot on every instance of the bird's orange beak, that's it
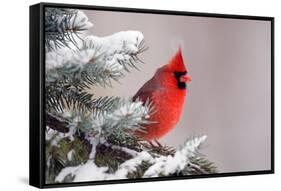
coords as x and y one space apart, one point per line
185 78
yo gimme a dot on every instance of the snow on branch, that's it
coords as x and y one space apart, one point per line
127 118
62 27
122 47
111 116
98 60
168 165
90 171
148 164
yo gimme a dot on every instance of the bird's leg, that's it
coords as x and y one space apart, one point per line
155 143
158 143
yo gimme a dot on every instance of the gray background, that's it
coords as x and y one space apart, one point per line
229 97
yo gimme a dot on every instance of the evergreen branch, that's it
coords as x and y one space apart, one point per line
96 62
199 165
62 26
129 118
176 164
157 149
123 47
115 162
64 153
56 122
60 96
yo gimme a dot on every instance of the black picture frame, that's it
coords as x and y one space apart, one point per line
37 92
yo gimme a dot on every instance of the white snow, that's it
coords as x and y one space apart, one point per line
109 51
56 136
50 133
192 145
53 60
116 46
70 154
130 165
85 172
130 114
171 164
124 149
129 110
90 172
66 57
66 171
163 165
94 141
113 50
81 21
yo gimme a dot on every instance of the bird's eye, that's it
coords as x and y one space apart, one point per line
178 76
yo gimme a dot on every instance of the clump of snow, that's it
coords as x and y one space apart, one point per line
70 154
84 172
53 60
55 137
50 133
116 50
65 172
134 108
113 52
94 141
128 115
131 152
131 164
48 161
80 21
89 171
67 58
118 46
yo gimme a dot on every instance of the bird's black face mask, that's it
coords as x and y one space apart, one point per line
181 85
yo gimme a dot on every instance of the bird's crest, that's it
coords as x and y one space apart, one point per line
176 63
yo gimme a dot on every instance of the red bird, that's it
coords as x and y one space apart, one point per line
167 91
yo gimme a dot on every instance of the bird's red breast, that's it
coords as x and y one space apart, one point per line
167 91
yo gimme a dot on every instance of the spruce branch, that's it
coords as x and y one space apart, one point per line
115 162
116 118
60 96
56 122
156 148
99 61
65 152
127 119
63 26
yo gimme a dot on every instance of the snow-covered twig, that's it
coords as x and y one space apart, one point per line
131 152
98 60
55 136
90 171
157 165
166 165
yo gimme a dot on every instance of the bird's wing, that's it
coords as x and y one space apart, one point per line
143 95
148 90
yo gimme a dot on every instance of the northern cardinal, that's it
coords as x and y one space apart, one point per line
167 91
